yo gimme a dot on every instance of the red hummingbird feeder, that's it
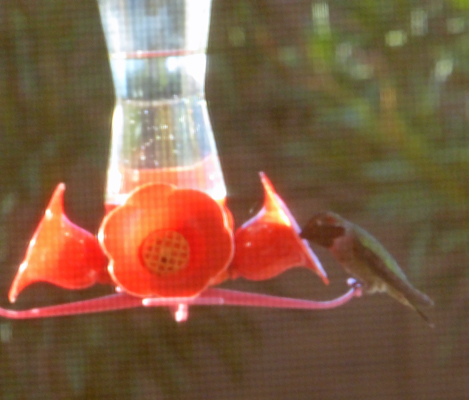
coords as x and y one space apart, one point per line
168 237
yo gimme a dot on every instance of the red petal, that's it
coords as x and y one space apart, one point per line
269 244
60 253
192 214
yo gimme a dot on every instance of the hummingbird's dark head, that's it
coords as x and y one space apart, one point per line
323 228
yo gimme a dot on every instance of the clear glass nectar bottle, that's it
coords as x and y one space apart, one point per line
161 130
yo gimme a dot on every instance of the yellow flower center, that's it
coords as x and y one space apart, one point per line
165 252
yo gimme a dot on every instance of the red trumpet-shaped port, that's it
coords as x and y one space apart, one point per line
61 253
167 242
269 243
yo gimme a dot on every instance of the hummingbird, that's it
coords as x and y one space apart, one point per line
366 259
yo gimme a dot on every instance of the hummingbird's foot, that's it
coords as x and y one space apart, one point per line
356 286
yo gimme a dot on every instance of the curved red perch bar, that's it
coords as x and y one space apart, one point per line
212 297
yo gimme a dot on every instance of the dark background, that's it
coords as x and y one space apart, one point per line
364 112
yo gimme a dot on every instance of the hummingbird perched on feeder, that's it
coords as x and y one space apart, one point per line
362 256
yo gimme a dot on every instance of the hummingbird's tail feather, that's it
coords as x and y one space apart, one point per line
407 298
424 317
414 296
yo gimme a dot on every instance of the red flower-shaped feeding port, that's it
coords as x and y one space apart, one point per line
269 243
167 242
61 253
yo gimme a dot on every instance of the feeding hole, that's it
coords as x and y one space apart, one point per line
165 252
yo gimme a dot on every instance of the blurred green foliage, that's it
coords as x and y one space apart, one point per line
368 104
357 106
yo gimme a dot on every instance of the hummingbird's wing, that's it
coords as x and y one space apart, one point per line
383 264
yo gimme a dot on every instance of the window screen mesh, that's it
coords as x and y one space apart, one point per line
360 107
